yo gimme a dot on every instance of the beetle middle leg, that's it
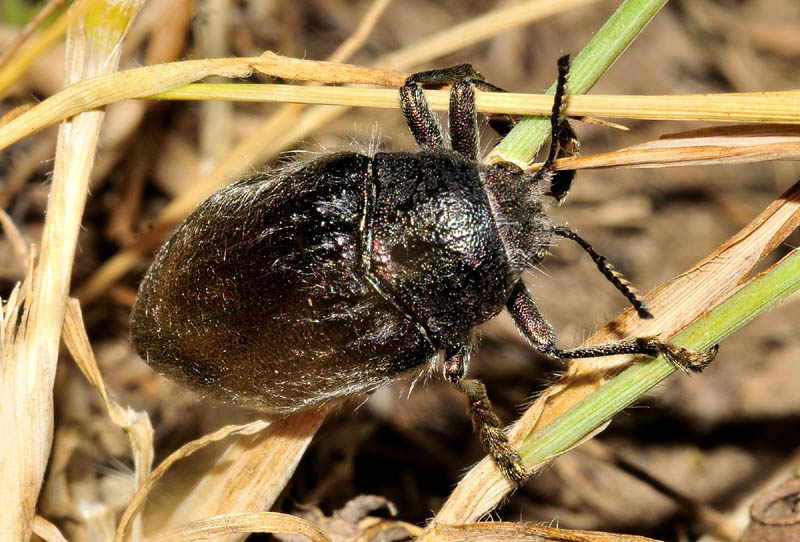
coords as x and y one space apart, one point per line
484 421
541 336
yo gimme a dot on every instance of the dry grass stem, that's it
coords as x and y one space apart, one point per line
677 303
165 81
99 91
762 107
744 143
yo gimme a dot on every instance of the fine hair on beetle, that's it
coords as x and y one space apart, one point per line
332 277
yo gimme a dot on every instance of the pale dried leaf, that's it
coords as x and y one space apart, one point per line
46 530
136 424
256 470
519 532
244 523
184 451
707 146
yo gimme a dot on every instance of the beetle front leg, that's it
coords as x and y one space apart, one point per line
484 421
419 117
541 336
463 118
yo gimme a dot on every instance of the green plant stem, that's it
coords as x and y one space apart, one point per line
524 141
758 296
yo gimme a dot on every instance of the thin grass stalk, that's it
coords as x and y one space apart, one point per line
761 107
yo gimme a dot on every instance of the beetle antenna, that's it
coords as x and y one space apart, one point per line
563 140
613 276
555 115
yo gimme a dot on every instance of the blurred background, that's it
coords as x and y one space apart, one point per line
703 445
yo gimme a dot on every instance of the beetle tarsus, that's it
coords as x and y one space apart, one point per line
490 430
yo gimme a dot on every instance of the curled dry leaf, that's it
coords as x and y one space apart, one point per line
136 424
184 451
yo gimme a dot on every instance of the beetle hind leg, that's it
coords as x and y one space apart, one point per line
419 117
484 421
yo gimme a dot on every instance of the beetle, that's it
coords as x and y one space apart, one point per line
299 288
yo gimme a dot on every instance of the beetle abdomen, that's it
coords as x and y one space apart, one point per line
260 298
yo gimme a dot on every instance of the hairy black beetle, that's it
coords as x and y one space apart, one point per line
296 289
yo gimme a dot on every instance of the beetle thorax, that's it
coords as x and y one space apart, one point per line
435 248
